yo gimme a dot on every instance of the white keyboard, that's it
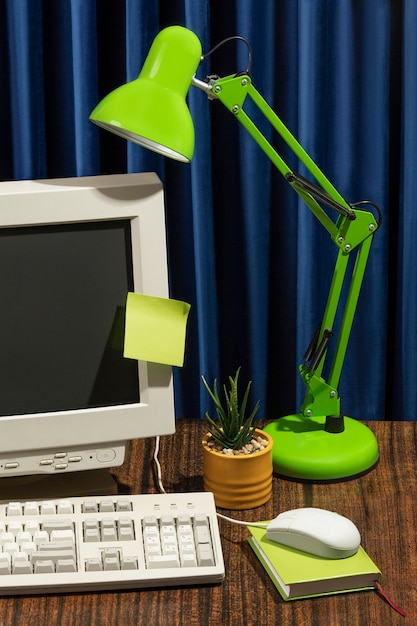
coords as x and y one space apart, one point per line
109 542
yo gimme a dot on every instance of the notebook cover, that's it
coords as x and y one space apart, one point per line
297 574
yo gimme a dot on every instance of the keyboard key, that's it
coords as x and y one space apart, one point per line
123 504
186 547
51 555
40 536
111 560
32 525
57 524
92 535
65 507
48 508
44 567
152 542
151 531
106 506
57 546
128 563
204 555
91 530
23 537
111 563
5 564
31 508
202 534
108 530
166 560
188 560
15 528
150 521
10 548
6 538
29 547
168 531
93 565
126 531
152 551
111 554
22 567
90 506
14 508
66 536
65 566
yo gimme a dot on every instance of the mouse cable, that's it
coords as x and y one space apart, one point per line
241 522
162 489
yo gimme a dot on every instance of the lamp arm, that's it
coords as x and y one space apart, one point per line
353 230
232 92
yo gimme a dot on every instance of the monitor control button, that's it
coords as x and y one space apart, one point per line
106 455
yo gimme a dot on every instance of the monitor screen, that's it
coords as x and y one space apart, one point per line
70 251
64 291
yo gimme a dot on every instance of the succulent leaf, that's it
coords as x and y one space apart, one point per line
232 429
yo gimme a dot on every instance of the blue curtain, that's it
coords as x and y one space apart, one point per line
243 250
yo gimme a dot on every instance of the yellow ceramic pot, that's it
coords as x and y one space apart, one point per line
238 481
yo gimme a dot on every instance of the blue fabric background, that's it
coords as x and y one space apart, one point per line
248 256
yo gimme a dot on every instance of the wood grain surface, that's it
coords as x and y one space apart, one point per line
381 503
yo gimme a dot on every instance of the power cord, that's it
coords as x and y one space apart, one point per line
233 38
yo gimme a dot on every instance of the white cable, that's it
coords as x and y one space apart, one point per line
242 523
158 465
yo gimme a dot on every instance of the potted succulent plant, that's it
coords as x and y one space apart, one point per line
237 455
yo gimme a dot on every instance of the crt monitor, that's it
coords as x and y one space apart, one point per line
70 251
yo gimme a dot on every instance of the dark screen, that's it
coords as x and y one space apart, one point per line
63 293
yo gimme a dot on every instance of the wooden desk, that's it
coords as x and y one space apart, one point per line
382 504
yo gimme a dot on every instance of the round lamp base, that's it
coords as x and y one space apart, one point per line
305 451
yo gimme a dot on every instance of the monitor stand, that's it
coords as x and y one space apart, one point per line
58 486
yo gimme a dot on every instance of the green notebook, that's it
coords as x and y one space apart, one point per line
300 575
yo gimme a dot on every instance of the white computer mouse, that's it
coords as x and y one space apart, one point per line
316 531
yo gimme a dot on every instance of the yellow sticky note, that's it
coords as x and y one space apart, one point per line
155 329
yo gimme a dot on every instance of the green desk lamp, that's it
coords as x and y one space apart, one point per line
319 443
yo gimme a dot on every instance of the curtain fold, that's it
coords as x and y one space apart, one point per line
27 98
243 250
405 214
343 79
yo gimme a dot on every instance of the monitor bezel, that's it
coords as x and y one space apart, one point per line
138 198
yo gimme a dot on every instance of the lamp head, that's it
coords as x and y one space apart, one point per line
151 110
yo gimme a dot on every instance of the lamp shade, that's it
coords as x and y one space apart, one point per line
151 110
